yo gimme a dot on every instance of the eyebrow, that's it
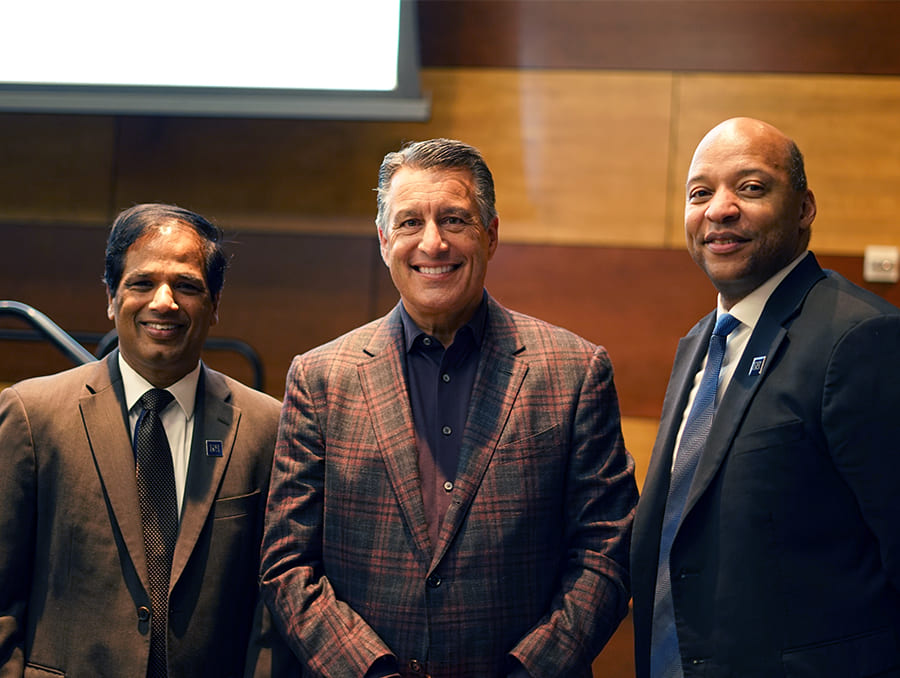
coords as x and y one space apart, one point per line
702 177
404 214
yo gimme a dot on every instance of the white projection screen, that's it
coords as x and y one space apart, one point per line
328 59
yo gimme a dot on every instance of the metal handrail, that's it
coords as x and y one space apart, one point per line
57 336
71 344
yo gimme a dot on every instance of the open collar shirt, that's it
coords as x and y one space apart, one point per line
440 381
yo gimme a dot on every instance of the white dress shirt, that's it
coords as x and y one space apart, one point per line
177 418
748 310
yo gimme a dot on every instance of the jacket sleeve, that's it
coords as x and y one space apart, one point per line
861 421
17 516
329 637
594 589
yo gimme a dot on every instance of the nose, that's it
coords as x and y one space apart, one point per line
432 241
163 299
722 207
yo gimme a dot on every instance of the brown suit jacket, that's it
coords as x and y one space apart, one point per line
74 595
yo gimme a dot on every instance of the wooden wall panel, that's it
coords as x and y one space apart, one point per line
578 157
55 167
800 36
847 128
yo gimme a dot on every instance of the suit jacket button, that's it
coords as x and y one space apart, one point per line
433 581
415 666
143 613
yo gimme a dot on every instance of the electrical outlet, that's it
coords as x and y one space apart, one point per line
881 263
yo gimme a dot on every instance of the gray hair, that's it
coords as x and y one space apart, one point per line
437 154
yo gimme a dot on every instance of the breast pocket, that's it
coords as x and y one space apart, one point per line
786 434
35 671
235 507
538 446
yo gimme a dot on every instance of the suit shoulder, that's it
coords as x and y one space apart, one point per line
543 333
348 346
850 300
249 399
59 383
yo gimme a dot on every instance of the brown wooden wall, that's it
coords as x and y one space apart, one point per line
586 110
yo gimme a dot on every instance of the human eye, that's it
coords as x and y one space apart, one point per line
456 222
191 287
407 224
698 194
139 284
753 188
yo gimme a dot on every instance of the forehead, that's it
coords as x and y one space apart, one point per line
739 151
168 246
412 187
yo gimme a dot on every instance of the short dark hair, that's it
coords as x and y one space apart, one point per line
796 169
132 223
440 154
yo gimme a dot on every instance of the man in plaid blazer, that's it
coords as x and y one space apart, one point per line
450 494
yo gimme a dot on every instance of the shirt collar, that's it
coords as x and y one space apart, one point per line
476 325
749 309
184 390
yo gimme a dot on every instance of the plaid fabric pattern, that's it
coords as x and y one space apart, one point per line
531 557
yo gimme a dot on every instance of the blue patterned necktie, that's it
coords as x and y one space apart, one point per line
665 658
159 518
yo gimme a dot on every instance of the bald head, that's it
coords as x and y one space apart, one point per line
761 135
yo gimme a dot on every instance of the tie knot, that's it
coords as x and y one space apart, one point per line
156 399
725 325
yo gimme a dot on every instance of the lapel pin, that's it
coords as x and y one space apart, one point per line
757 365
213 448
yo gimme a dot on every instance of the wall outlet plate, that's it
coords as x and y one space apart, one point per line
881 263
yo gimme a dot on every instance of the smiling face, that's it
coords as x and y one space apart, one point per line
162 306
436 247
743 219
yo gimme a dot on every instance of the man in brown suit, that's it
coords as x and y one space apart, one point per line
75 593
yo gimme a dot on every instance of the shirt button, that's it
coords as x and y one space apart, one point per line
446 430
448 486
446 378
433 581
427 341
415 666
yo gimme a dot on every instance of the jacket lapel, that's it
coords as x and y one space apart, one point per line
497 383
688 357
216 421
383 382
765 342
104 416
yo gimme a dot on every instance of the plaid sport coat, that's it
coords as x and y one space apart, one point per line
531 561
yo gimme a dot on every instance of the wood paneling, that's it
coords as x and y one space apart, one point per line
56 167
780 36
578 157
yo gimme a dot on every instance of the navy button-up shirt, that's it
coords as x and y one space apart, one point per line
440 387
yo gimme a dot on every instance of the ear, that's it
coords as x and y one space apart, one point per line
110 307
385 246
493 236
807 211
214 318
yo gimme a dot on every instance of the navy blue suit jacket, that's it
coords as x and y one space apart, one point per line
787 560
